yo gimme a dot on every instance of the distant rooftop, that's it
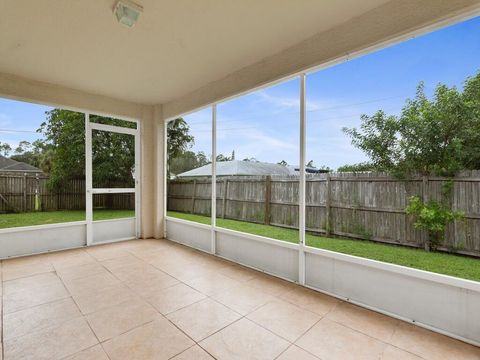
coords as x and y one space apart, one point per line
243 168
9 165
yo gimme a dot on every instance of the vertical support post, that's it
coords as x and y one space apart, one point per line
88 180
165 177
138 183
301 187
328 206
25 192
224 199
214 179
193 196
425 200
268 198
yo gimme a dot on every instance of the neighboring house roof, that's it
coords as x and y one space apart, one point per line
238 167
9 165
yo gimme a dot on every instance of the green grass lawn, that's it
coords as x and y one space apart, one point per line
443 263
54 217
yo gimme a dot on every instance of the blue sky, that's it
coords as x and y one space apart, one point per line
264 124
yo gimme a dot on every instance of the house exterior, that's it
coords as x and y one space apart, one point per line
245 168
13 167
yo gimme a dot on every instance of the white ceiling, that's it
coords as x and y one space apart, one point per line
176 47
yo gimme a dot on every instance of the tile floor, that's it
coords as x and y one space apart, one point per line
153 299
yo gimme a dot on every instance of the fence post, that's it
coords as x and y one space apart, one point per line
193 195
328 206
224 199
268 197
25 192
425 200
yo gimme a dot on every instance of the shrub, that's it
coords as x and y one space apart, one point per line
432 217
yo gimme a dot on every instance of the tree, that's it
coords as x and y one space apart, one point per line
221 157
187 160
37 154
5 149
179 138
63 150
433 137
283 163
179 141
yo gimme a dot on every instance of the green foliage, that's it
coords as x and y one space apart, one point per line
432 217
63 150
179 139
5 149
357 167
437 136
187 160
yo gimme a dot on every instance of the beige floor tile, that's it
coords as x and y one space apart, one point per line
393 353
154 341
51 343
20 271
93 283
295 353
238 273
146 275
39 317
430 345
174 297
203 318
79 271
330 340
71 259
284 319
212 283
149 287
366 321
243 299
25 261
21 300
106 252
244 340
310 300
115 320
94 301
31 283
185 271
121 263
94 353
194 353
270 284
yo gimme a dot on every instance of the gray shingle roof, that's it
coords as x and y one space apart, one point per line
7 165
238 167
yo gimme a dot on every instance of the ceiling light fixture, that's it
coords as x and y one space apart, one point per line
127 12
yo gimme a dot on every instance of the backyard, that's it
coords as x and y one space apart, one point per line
443 263
54 217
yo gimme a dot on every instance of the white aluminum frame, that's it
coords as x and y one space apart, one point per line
302 184
214 180
90 190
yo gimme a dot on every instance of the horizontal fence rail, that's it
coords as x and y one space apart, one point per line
23 193
367 206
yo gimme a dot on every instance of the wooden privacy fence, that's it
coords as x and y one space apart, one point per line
357 205
23 193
